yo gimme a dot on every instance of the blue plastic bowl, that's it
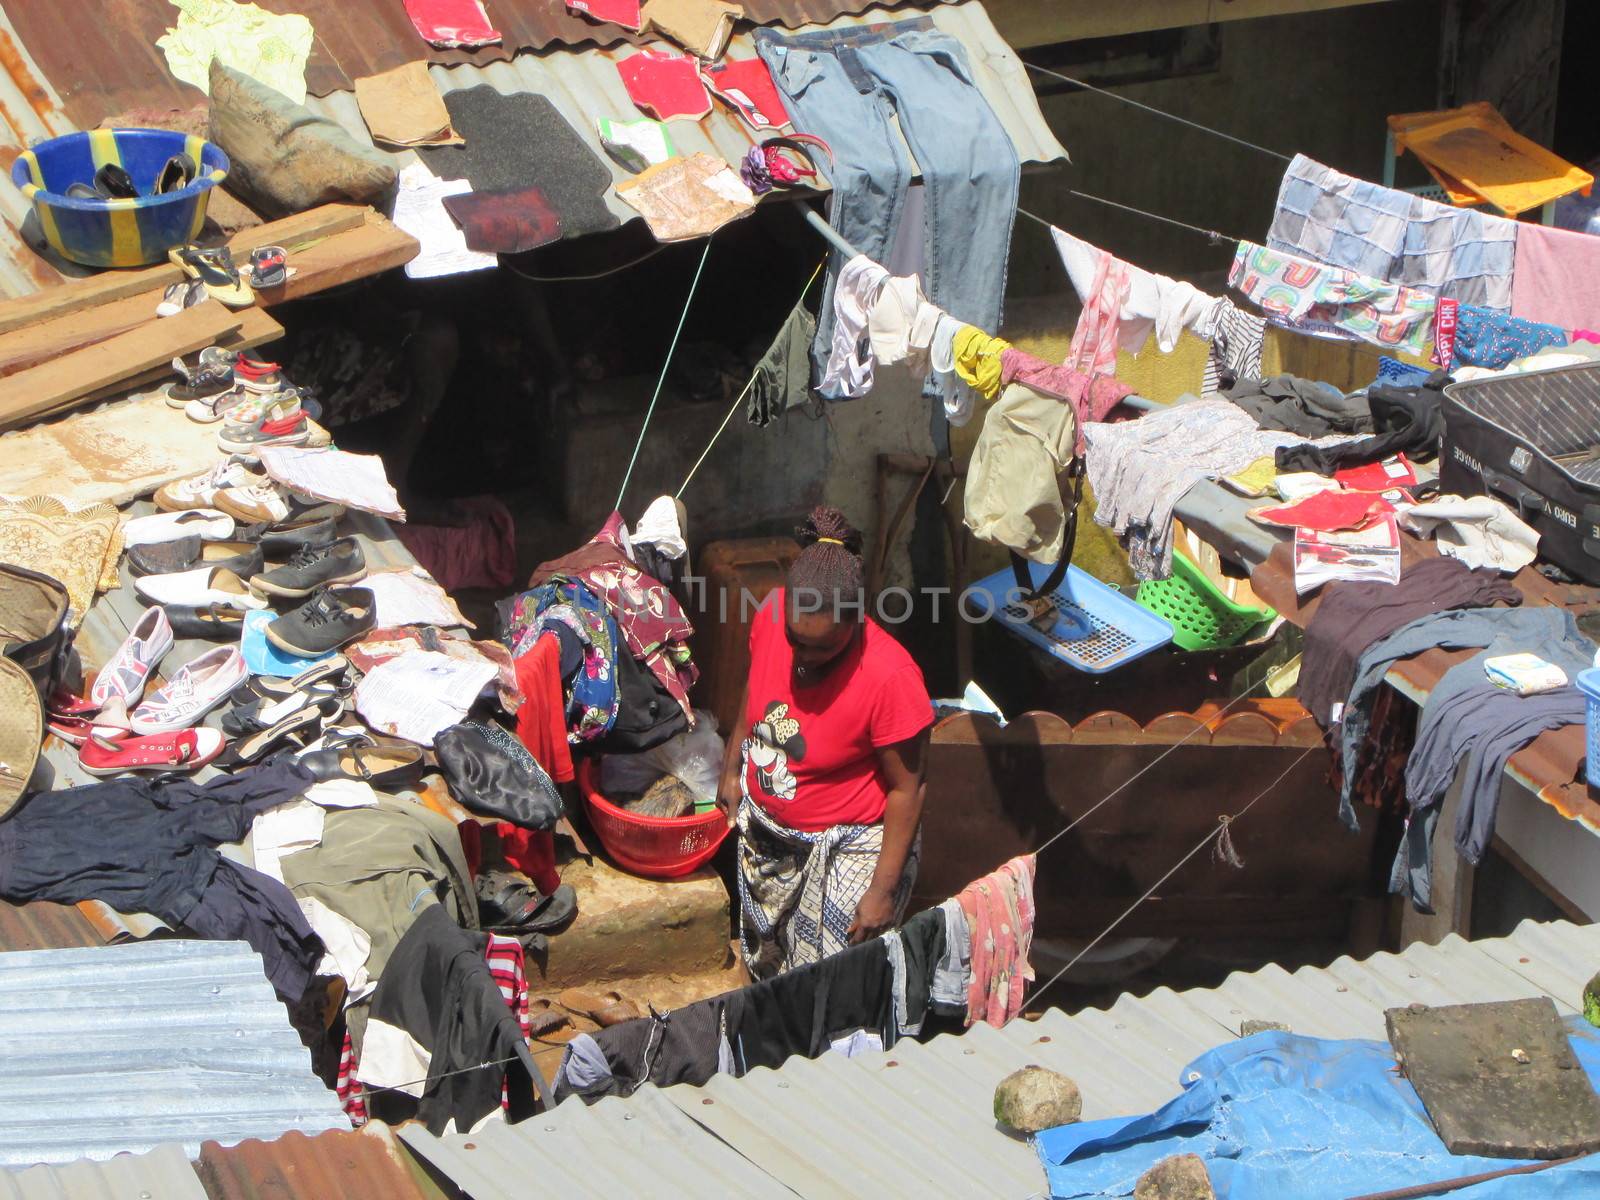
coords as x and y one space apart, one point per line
117 233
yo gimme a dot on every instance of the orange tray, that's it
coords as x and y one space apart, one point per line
1478 158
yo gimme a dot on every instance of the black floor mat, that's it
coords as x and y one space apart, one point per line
522 141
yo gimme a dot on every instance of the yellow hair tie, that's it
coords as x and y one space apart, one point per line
830 541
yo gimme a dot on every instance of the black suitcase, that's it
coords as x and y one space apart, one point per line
1533 441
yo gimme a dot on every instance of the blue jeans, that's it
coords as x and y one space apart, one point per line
843 87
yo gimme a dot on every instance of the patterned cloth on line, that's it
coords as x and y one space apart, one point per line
1236 341
1333 302
1394 236
798 891
999 911
508 966
1485 338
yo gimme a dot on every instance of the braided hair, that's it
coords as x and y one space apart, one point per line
828 567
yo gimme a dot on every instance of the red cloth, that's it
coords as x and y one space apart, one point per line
449 23
812 757
665 85
1396 472
531 851
505 222
746 84
1091 397
542 728
480 554
542 719
1326 512
617 12
1444 332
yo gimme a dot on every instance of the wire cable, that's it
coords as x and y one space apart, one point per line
1211 235
662 379
1159 112
740 398
1223 823
1150 766
609 271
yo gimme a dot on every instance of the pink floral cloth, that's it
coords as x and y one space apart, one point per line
1094 341
999 911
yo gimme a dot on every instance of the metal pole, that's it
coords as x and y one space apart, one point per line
828 231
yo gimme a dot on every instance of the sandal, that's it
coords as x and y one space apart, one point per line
544 1015
604 1008
185 750
303 722
213 267
281 689
269 266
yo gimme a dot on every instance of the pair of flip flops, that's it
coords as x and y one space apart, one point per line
213 267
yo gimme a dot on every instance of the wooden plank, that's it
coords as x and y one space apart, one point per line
379 245
292 233
43 340
73 376
257 328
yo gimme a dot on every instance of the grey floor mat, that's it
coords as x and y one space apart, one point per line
522 141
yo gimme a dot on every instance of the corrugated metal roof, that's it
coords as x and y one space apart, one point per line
124 1048
110 63
344 1163
916 1120
583 85
163 1174
643 1146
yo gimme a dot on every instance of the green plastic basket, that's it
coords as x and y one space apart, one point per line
1202 618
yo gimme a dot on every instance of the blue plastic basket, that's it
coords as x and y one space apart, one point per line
1589 684
117 233
1118 629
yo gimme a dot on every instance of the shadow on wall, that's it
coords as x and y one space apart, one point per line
1317 83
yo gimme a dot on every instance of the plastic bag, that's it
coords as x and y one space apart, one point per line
694 756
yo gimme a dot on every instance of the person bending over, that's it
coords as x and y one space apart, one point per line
825 785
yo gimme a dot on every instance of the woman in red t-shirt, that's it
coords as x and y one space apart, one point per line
825 784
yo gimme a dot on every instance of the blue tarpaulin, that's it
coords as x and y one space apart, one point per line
1276 1116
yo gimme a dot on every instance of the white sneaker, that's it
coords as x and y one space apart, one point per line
200 491
123 678
196 689
198 588
210 525
275 504
209 409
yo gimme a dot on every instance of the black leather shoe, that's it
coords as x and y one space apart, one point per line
212 623
383 762
282 543
163 558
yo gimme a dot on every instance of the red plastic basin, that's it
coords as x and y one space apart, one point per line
655 847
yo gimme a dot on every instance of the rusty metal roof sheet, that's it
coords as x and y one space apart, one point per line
104 58
118 1049
585 86
296 1167
817 1126
163 1174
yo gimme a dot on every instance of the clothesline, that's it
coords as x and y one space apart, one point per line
1224 823
1156 111
1211 235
